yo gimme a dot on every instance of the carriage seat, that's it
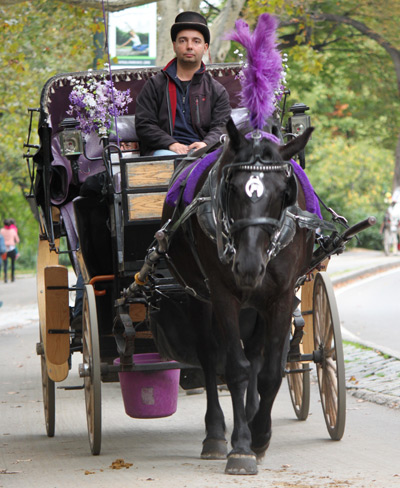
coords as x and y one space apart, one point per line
126 129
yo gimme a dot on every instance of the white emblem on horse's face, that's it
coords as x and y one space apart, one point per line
254 188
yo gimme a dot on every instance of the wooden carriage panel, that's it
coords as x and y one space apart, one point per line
149 174
57 314
145 206
46 258
307 311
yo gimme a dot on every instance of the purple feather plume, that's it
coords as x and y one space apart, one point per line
263 70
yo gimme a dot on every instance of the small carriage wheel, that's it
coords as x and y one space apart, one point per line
49 396
91 369
329 356
299 388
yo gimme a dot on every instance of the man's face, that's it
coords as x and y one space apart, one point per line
189 47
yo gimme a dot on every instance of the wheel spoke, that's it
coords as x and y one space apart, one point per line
327 339
91 358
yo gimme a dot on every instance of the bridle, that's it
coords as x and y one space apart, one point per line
227 227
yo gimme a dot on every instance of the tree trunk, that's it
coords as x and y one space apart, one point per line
167 10
396 177
223 24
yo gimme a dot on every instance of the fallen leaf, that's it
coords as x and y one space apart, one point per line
5 471
119 464
89 472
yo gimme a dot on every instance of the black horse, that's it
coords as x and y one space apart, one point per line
253 263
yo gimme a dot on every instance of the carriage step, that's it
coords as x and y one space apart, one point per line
60 331
291 371
78 387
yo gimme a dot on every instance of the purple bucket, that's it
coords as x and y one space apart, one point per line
149 394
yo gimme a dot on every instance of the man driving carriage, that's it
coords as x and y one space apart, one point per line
183 107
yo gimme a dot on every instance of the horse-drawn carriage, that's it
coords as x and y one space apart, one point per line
107 206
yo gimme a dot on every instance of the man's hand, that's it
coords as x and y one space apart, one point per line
179 148
197 145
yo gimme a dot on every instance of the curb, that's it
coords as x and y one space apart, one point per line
372 397
363 273
364 393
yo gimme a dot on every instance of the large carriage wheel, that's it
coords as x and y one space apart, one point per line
90 369
49 393
330 364
299 388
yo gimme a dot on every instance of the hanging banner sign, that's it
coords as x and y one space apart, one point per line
133 36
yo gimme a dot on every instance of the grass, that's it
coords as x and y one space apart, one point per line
366 348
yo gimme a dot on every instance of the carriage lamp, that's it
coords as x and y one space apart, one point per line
71 144
299 121
71 141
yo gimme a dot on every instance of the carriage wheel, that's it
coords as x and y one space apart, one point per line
90 369
299 388
49 394
330 365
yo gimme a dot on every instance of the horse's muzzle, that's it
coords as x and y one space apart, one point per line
249 271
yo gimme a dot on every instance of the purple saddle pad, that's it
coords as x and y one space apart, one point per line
193 172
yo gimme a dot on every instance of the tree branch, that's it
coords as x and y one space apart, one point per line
109 5
368 32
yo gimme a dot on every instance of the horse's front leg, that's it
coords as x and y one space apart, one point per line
241 459
278 320
252 333
214 445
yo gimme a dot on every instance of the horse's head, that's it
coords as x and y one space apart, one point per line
256 185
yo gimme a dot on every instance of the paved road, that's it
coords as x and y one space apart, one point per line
369 374
164 453
370 309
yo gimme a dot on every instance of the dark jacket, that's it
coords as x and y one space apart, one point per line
156 108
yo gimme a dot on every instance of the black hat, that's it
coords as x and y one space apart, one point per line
190 20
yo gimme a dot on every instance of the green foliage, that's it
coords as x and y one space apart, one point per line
352 179
13 205
37 40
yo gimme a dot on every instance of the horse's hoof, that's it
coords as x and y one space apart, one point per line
260 451
214 449
241 464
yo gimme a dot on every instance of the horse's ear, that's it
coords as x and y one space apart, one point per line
295 145
236 138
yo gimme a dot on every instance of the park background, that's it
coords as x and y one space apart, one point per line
343 59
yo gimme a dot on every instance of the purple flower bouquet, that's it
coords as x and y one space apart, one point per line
95 103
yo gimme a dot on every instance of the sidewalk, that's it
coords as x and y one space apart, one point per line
371 374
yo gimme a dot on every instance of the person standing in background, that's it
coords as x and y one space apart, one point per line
11 239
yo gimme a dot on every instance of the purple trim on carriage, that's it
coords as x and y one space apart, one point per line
197 168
